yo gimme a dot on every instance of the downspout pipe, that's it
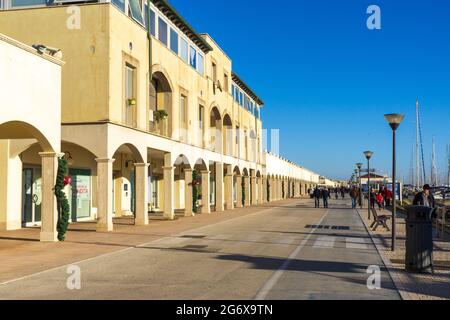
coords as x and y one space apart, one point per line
149 36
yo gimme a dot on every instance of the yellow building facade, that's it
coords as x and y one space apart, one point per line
148 105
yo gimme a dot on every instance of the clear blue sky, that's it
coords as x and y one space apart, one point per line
327 80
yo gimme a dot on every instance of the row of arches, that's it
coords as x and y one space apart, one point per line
125 181
220 135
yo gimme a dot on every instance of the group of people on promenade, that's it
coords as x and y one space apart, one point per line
325 195
384 197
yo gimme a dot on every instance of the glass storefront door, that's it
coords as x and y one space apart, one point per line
80 194
31 196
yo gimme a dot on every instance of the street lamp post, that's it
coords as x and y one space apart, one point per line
368 155
394 121
359 166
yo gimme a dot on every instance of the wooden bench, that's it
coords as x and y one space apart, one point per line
442 220
380 220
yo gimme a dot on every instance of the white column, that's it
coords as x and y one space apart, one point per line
239 191
220 195
105 195
188 212
206 207
247 191
49 213
229 188
254 190
169 176
141 194
271 188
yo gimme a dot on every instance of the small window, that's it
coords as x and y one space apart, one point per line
214 72
183 105
162 31
184 50
29 3
241 98
193 58
173 40
136 10
225 82
153 23
201 64
200 117
129 82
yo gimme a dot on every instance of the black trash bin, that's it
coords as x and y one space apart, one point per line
419 239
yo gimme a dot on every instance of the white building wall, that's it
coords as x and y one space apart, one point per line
30 89
282 167
30 92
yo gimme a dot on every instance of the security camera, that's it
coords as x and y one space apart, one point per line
54 52
39 48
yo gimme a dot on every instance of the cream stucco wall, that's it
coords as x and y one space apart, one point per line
30 102
276 166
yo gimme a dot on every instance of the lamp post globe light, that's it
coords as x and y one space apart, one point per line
394 120
359 166
368 155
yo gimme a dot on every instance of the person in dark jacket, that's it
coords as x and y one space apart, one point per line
373 198
425 198
325 197
354 195
317 194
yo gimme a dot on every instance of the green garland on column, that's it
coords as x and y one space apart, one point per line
243 191
61 199
195 183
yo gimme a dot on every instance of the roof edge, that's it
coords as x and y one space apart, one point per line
168 10
246 88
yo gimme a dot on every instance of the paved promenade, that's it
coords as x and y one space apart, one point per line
285 250
413 286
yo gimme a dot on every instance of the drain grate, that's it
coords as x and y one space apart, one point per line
326 227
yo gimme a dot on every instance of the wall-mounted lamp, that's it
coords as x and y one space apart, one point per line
69 158
127 164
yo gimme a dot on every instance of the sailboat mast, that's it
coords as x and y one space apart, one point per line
417 153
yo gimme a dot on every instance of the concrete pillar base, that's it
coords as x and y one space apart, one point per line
141 194
49 211
104 197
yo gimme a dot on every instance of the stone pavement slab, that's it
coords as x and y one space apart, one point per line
413 286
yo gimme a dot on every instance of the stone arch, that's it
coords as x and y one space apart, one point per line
23 130
215 129
182 160
227 128
161 99
131 149
201 165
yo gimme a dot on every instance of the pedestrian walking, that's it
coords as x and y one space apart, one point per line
354 194
373 198
425 198
325 197
336 193
317 194
380 201
388 197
